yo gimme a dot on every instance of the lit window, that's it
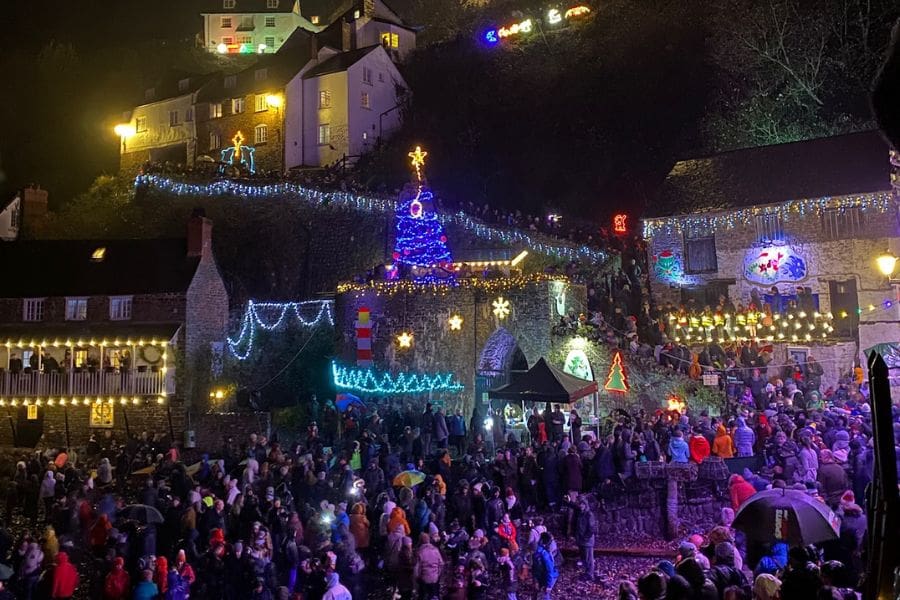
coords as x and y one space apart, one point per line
365 136
215 110
261 103
324 134
76 309
189 115
261 134
270 21
769 227
140 124
149 93
271 3
184 84
246 40
314 20
33 309
228 40
173 118
390 40
215 141
98 254
120 308
230 81
367 75
355 14
226 22
237 106
325 99
261 74
364 100
229 3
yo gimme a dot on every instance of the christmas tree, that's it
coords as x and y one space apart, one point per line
616 381
421 240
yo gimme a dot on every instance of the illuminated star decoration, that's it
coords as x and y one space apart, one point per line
456 322
418 161
238 140
405 339
501 308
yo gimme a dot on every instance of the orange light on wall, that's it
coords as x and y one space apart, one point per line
619 225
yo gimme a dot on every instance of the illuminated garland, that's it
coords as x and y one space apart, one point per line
367 204
879 201
252 319
404 286
370 381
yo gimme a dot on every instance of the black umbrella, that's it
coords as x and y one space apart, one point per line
782 515
142 513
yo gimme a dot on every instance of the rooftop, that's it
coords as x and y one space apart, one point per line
855 163
338 62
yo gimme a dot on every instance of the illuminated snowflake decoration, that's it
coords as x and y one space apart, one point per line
501 308
456 322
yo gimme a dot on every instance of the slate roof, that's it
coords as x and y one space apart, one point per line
167 87
339 62
855 163
36 268
215 7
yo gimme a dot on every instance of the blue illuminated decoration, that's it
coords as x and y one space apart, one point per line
668 267
371 381
490 36
242 346
240 154
370 204
774 264
421 240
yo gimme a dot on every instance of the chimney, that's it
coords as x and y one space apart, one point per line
369 8
34 209
313 46
199 235
346 36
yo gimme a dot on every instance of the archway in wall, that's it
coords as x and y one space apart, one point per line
499 362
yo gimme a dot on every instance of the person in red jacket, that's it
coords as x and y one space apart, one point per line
117 585
162 574
65 578
740 490
699 447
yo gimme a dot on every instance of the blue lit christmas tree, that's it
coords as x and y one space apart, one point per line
421 241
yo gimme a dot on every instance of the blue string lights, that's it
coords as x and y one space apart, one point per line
370 381
729 219
370 204
279 313
421 240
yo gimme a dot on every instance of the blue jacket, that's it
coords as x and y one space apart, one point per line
457 425
145 590
679 450
744 438
543 567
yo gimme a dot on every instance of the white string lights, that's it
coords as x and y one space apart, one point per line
272 315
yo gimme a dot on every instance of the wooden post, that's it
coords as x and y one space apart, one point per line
883 502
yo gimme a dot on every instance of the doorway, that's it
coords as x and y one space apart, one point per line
844 301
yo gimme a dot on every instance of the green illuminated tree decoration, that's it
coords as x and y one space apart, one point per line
616 381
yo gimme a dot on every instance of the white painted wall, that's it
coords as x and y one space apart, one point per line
382 98
285 25
10 218
159 133
336 117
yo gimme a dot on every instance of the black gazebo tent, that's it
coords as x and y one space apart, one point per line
545 383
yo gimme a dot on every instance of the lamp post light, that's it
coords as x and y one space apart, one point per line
887 264
124 131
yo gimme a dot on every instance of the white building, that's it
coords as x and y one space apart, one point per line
163 128
348 101
10 218
263 26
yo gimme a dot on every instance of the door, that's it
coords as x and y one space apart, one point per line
845 301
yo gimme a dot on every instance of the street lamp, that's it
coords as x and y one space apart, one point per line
124 130
275 100
887 263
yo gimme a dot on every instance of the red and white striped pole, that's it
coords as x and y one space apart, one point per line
363 338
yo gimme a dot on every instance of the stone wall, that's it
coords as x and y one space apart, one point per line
534 308
211 429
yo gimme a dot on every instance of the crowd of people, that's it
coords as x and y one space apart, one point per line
418 500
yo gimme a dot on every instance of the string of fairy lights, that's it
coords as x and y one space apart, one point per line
881 202
279 314
404 286
371 381
370 204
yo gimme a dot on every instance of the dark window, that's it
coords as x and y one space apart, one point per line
842 223
700 255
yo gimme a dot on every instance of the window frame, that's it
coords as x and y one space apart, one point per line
229 82
226 23
367 75
120 315
835 223
769 227
229 4
37 309
324 99
216 110
79 313
689 269
267 40
259 100
257 139
270 21
392 39
174 117
365 101
239 102
140 124
324 140
215 140
271 3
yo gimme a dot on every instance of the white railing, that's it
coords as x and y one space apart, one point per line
84 383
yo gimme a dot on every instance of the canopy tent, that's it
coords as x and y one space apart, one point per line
545 383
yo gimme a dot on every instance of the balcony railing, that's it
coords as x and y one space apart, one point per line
88 382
